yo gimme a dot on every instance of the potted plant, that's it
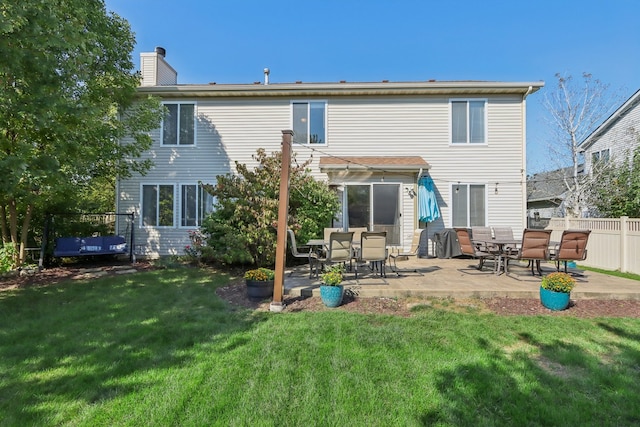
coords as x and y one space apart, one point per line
259 283
331 290
555 290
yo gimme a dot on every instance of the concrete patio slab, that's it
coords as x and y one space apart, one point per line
459 278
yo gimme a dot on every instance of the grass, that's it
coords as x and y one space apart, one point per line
617 273
160 348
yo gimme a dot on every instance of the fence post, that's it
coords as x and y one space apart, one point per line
623 243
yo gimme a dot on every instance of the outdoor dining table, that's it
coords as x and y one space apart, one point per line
502 248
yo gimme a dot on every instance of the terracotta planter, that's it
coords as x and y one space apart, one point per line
259 289
554 300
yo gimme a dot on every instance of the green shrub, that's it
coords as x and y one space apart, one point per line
242 228
8 257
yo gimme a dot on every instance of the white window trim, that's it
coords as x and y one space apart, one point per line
452 189
180 207
326 116
195 125
486 121
148 227
199 190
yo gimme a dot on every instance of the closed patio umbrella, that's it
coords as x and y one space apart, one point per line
427 204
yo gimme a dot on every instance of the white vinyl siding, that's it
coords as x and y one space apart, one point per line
229 130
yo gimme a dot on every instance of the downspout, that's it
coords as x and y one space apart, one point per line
523 168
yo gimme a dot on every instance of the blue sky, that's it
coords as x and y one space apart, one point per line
403 40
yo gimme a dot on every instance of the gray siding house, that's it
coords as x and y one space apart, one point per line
617 137
370 141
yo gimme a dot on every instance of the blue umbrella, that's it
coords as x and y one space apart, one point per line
427 204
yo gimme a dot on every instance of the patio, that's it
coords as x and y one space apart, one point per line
458 277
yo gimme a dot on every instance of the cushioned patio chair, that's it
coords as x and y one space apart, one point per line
572 247
473 249
534 247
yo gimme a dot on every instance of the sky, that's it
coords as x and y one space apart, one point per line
232 41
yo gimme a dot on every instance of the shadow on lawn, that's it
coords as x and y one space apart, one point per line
84 341
559 384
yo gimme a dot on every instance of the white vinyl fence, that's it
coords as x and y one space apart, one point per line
614 243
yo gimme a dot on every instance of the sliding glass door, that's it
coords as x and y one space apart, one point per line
374 206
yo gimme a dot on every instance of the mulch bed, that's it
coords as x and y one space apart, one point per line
235 295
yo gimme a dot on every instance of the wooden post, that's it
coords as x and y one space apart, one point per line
283 214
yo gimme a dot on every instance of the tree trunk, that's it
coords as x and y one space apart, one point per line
13 221
24 235
3 223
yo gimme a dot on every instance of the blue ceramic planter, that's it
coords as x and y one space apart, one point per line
554 300
331 295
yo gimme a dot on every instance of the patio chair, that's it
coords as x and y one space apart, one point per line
572 247
504 233
339 250
310 255
534 247
468 247
415 247
357 232
373 249
479 237
328 231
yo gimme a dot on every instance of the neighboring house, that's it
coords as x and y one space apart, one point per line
370 141
545 195
617 137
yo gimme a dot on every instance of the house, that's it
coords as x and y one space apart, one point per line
617 137
545 195
370 141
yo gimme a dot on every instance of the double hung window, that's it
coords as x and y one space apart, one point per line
600 156
468 122
157 205
309 122
178 125
468 205
195 204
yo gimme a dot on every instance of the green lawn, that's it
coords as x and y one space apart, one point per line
160 349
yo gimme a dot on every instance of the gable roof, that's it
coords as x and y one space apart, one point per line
548 185
629 104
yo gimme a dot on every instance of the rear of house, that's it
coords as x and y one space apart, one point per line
371 142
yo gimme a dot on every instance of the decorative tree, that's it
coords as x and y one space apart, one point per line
242 227
67 98
574 110
617 191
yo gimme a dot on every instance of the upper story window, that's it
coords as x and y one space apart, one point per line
309 122
468 121
600 156
178 126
